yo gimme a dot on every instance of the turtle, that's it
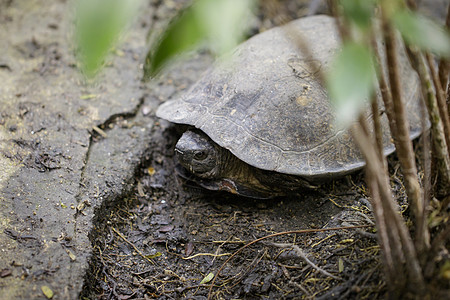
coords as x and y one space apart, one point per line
259 122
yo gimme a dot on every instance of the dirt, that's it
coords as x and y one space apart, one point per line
170 239
167 238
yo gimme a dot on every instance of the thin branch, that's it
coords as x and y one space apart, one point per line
439 241
426 158
440 97
340 22
274 235
444 64
386 214
441 153
382 228
404 146
302 255
132 245
377 130
411 4
410 261
386 94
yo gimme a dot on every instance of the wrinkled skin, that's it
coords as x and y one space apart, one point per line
198 154
215 168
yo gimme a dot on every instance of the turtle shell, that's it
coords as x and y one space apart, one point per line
265 104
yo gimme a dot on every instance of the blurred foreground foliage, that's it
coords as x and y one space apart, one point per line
218 24
98 26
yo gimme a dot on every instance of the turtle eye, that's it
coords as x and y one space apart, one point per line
200 155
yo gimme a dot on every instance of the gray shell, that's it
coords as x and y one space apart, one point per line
265 105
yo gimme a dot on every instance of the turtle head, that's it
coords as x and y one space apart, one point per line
198 154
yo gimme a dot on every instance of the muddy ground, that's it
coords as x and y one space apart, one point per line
152 235
168 238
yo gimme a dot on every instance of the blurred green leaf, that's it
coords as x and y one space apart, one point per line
152 256
423 32
340 265
99 24
350 82
221 23
444 272
182 34
225 22
207 278
359 11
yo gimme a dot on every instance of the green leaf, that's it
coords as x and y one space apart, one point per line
341 265
99 24
208 278
422 32
221 23
359 11
152 256
350 82
182 34
225 22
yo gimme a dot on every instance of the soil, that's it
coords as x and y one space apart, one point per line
172 240
168 238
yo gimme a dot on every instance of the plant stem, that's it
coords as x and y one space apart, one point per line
440 147
444 64
382 231
386 95
404 144
439 92
377 129
438 242
400 244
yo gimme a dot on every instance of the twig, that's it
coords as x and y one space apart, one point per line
302 44
274 235
206 254
132 245
368 220
377 129
441 154
342 27
439 241
251 267
388 218
397 231
444 64
386 94
382 224
439 92
296 284
305 258
404 144
426 157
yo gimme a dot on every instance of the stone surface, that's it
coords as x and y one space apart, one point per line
55 169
